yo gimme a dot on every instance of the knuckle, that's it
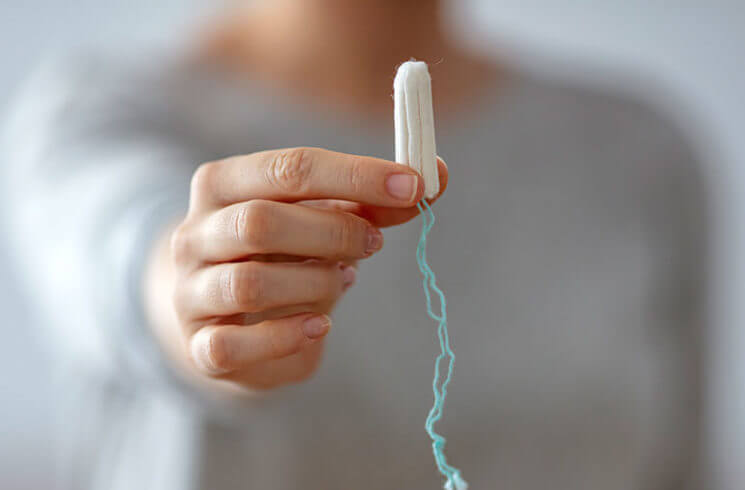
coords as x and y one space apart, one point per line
342 235
289 169
217 352
202 180
347 236
181 244
244 287
357 174
252 224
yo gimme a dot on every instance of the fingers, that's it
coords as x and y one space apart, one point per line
251 287
221 349
305 173
269 227
382 217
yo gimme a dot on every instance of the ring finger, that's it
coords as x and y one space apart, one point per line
249 287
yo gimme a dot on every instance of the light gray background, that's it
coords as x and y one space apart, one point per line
690 51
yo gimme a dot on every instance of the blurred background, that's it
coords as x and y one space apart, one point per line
688 54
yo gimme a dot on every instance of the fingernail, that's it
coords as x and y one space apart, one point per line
316 326
374 241
349 276
402 186
201 352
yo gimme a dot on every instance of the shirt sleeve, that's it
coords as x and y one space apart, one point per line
92 173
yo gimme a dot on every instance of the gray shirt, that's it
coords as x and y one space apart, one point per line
569 243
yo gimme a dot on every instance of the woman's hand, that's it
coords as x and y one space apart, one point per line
266 249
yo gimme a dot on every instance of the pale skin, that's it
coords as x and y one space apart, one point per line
239 292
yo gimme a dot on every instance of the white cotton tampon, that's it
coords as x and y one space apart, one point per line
415 123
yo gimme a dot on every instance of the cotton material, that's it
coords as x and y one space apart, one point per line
414 123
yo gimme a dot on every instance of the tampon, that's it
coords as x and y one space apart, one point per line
415 146
415 123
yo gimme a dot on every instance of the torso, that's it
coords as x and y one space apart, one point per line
564 246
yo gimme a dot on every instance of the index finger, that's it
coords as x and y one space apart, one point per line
382 217
297 174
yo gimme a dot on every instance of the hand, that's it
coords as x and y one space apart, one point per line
268 247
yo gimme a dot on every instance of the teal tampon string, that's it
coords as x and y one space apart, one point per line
439 387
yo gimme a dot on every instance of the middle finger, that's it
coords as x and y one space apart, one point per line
268 227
